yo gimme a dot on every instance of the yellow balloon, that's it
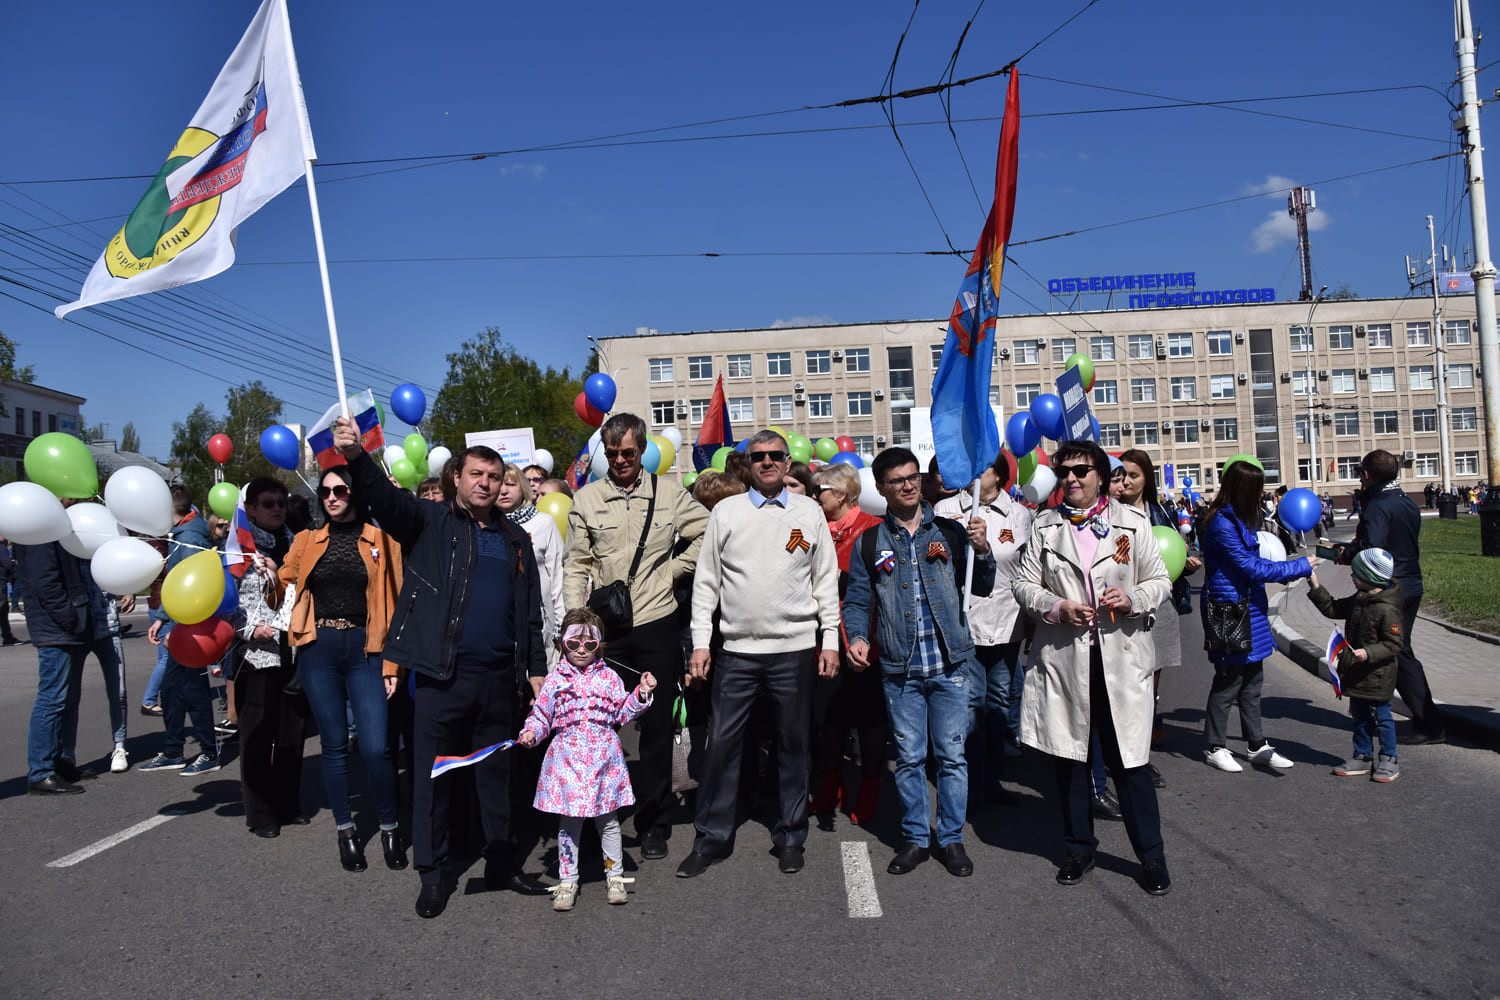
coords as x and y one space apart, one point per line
194 589
777 429
556 506
668 453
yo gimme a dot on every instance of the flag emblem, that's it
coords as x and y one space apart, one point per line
887 561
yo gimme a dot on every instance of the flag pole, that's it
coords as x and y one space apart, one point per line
333 327
969 568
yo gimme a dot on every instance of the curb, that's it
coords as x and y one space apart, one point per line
1310 658
1468 633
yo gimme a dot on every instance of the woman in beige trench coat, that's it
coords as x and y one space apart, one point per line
1092 658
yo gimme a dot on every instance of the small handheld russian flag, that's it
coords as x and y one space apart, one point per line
1337 644
442 765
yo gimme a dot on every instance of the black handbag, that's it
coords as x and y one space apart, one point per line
611 602
1226 626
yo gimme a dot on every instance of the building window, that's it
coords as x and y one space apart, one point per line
994 394
1460 376
1063 348
861 404
661 412
1347 468
1466 463
697 410
36 423
1179 345
864 444
937 355
20 422
700 368
1421 378
1184 432
1102 348
1426 465
1109 435
901 427
741 409
1221 386
1143 390
1184 388
1341 338
1346 425
1139 347
661 369
1146 433
1419 335
1265 425
1300 381
1300 424
779 364
1382 380
1342 380
781 408
820 404
1023 352
1463 418
51 423
1106 391
1304 470
1226 428
1379 334
1385 422
1026 393
738 366
903 387
1220 343
1301 339
1424 421
819 362
857 359
1456 332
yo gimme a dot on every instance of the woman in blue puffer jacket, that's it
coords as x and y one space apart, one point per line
1235 571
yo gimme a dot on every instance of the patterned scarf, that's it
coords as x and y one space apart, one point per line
522 514
1093 517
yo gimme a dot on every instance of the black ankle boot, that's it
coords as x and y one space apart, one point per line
351 855
390 844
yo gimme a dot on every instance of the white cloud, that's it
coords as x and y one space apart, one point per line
1273 186
1279 228
796 321
536 170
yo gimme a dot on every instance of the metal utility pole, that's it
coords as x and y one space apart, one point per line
1484 277
1310 375
1441 339
1299 202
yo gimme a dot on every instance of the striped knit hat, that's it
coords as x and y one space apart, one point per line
1375 566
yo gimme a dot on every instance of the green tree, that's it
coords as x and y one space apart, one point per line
250 409
9 371
490 385
129 439
1343 293
189 441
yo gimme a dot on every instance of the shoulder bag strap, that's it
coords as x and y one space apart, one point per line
640 549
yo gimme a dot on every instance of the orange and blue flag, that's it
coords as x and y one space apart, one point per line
964 434
716 432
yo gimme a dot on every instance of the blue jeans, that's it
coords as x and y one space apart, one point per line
153 686
185 694
1370 716
938 706
112 663
996 682
336 672
54 717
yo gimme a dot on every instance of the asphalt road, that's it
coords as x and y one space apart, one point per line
1289 884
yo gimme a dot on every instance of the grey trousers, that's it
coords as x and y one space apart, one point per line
1234 684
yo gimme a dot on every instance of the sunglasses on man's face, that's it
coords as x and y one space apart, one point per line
339 492
279 502
1079 472
757 457
581 644
627 454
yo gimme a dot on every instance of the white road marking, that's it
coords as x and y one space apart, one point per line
859 880
101 846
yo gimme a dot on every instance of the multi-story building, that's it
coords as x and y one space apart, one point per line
31 410
1191 386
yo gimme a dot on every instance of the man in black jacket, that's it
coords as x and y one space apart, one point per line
58 617
468 624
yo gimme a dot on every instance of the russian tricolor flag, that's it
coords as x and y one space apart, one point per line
366 418
239 544
716 432
442 765
1337 644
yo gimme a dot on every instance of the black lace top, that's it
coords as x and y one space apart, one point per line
338 581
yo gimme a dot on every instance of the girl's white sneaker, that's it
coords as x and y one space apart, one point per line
564 895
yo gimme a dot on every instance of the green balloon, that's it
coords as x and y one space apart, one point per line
416 449
223 499
404 471
826 448
1173 549
1085 366
1025 466
720 457
800 450
1248 459
63 464
688 480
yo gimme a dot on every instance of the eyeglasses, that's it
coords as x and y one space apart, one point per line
818 491
281 502
1079 472
905 482
581 645
757 457
613 453
339 492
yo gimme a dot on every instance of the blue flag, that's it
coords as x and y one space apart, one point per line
964 434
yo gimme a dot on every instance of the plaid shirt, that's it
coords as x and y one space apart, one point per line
926 651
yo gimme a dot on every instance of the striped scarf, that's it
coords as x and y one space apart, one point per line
1093 517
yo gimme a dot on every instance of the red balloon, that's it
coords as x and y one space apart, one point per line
201 644
220 448
1042 457
1011 470
845 442
586 411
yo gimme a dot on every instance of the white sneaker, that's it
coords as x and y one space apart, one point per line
618 894
1221 758
564 895
119 763
1267 755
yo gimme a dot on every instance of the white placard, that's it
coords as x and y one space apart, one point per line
515 445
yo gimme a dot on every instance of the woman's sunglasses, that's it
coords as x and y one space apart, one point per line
581 645
339 492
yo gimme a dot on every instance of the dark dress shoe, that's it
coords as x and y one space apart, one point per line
69 771
296 819
653 846
694 864
954 858
431 901
266 831
1419 738
53 784
1074 869
390 846
1156 778
351 854
1105 807
517 882
1154 878
906 859
791 860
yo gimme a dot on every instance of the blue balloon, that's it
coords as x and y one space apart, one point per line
741 446
1021 433
1094 426
280 446
1300 510
409 403
651 458
1047 414
847 458
231 602
599 390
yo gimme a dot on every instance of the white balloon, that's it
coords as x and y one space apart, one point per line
673 435
93 525
599 465
436 459
31 515
868 457
1186 530
1271 547
1043 482
393 453
542 457
140 500
870 500
125 565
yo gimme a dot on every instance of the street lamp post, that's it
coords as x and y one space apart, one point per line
1312 426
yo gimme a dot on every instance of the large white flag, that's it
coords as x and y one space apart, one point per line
248 142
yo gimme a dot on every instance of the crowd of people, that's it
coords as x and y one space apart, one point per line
450 633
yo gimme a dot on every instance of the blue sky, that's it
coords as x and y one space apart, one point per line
590 235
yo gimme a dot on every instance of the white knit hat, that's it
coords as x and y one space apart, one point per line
1375 566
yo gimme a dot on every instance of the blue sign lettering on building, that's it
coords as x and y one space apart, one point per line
1160 289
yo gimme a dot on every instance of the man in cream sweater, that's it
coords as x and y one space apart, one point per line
768 567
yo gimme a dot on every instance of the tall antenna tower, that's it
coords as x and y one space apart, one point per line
1299 202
